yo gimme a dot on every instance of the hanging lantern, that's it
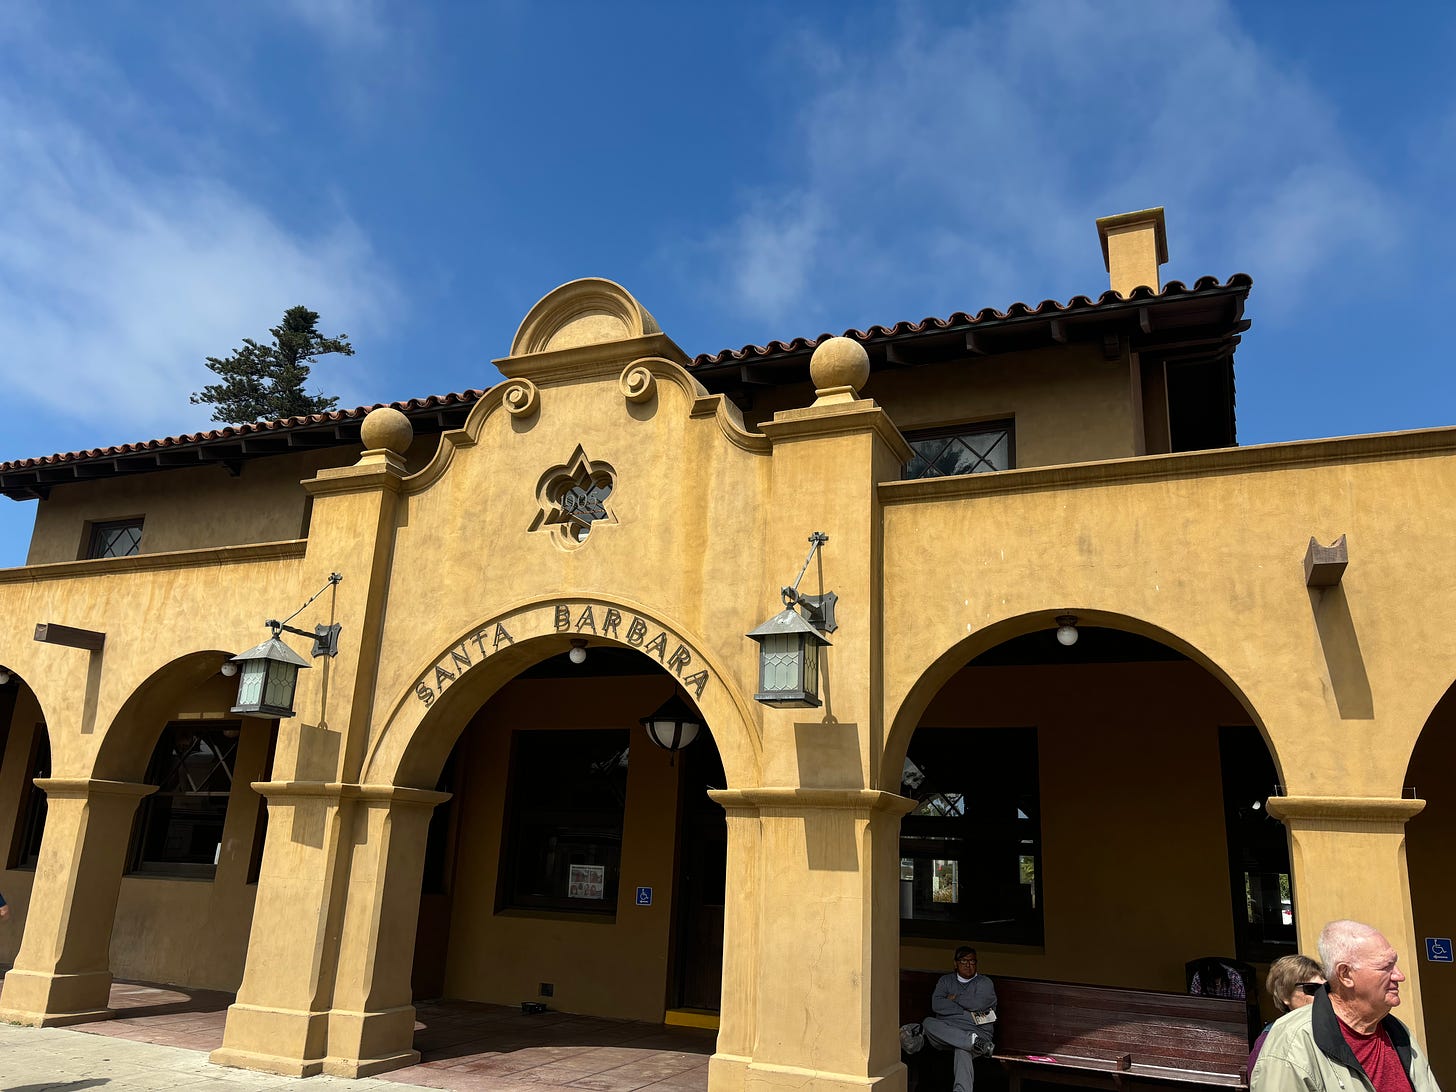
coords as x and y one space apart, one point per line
674 725
267 679
788 660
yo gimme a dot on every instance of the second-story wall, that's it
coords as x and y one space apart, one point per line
1068 404
194 507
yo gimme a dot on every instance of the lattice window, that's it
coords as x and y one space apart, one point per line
965 449
180 825
120 538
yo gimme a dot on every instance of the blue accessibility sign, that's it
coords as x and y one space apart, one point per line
644 896
1438 949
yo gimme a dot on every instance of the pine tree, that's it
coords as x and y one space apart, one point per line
264 382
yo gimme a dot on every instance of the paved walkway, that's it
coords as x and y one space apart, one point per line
60 1059
160 1037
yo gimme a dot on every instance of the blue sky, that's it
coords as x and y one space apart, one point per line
174 175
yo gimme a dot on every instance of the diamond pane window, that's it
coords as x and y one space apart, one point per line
179 827
121 538
965 449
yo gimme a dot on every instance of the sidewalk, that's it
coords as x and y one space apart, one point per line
160 1037
60 1059
63 1059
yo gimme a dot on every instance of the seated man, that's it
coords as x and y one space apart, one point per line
964 1004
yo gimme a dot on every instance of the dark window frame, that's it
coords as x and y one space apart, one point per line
935 837
441 837
97 546
915 437
29 834
595 827
1258 847
160 806
260 820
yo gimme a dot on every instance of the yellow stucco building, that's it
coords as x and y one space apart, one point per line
1250 735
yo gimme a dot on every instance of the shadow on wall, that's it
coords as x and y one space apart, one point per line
1342 652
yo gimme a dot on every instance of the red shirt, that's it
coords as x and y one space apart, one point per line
1376 1055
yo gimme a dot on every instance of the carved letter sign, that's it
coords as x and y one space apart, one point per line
645 634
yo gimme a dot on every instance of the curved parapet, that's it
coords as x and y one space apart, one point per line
590 311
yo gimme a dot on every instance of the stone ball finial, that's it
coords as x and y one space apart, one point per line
839 362
386 428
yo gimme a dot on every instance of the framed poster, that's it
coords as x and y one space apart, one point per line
587 881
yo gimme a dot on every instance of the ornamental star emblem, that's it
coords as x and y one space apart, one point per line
573 499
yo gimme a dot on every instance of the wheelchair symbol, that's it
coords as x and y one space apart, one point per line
1438 949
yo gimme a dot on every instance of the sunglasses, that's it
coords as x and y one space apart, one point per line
1309 989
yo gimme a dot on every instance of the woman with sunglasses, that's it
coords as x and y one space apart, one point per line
1293 982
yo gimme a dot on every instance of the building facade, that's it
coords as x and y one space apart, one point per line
1246 736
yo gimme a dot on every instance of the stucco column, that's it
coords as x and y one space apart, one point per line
279 1022
62 973
828 960
372 1025
738 1004
1348 861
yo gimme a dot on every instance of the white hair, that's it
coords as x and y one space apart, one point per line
1338 943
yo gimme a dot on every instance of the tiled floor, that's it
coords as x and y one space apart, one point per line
464 1045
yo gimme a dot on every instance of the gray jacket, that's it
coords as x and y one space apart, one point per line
954 1001
1305 1052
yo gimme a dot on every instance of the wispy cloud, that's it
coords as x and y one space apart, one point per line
114 287
961 163
771 248
343 24
123 265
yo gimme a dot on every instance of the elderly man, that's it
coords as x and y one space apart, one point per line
1346 1040
964 1004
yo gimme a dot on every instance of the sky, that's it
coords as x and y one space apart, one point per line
174 175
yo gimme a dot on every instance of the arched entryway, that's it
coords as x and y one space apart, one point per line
196 842
1092 812
162 828
575 864
344 991
25 755
1429 838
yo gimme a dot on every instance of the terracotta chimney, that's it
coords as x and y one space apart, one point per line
1134 244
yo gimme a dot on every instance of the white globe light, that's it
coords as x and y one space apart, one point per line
229 669
4 676
661 732
1067 635
577 655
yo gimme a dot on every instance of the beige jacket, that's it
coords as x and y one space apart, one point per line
1305 1052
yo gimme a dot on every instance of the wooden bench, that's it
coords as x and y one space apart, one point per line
1104 1036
